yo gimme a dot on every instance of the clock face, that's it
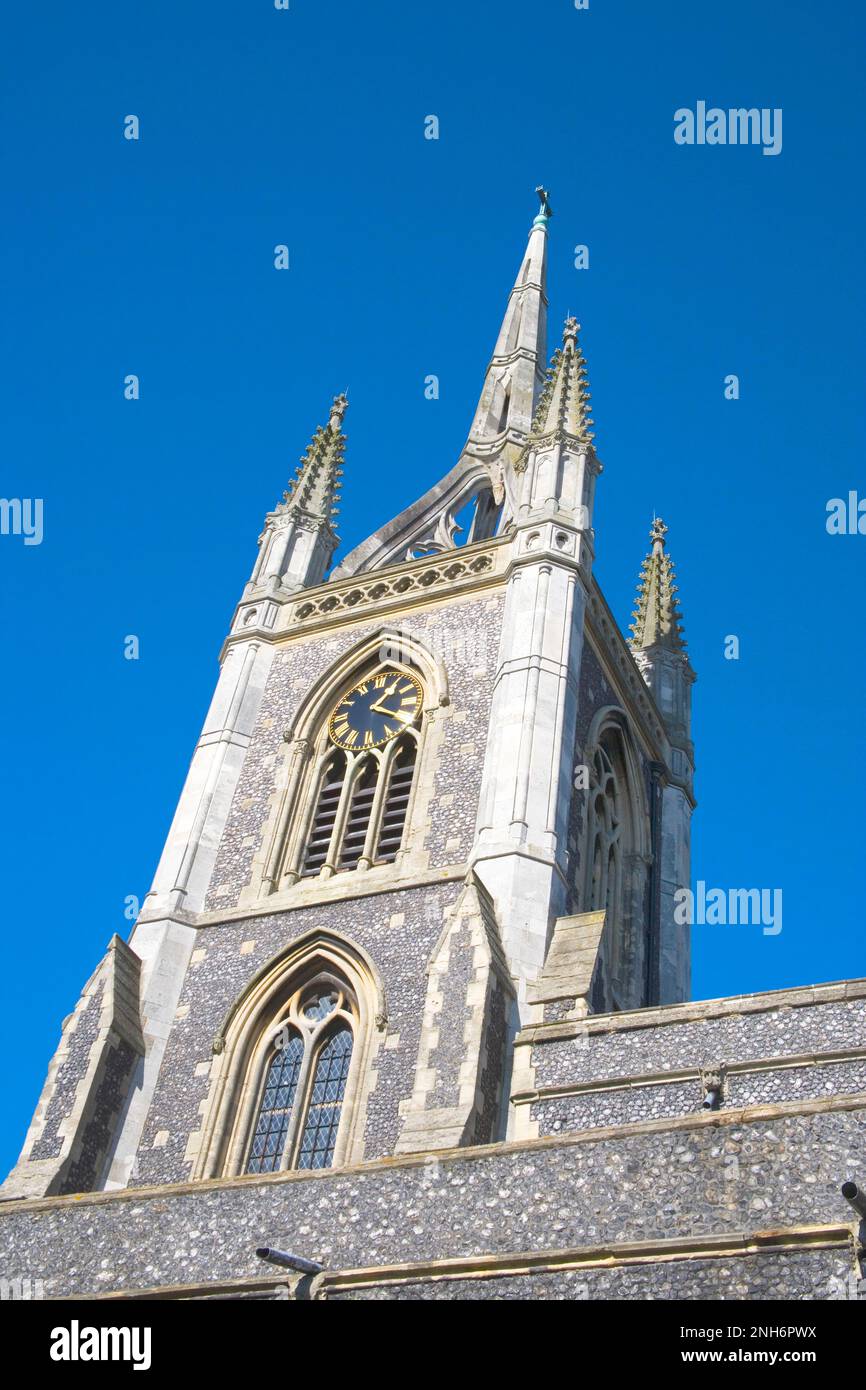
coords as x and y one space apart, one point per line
376 710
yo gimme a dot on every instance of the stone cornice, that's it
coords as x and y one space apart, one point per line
314 893
605 1256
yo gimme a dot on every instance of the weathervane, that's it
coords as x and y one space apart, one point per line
545 210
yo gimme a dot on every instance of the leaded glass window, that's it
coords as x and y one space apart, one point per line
278 1099
304 1079
318 1005
326 1101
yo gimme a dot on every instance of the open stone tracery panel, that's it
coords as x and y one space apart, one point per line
448 572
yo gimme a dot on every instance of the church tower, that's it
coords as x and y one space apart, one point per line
420 898
438 799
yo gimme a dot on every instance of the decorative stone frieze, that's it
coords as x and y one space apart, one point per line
452 571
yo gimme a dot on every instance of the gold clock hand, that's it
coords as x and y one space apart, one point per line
377 708
393 714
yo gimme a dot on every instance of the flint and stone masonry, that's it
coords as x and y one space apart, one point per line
408 997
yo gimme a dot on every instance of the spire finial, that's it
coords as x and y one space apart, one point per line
657 535
545 212
338 410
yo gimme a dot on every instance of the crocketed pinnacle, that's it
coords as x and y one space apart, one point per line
563 406
657 619
315 490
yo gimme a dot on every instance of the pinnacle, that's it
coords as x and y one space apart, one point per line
563 406
657 620
315 490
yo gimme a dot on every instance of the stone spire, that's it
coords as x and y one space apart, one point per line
657 619
299 538
516 371
563 407
488 460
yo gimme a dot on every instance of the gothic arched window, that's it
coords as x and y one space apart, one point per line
302 1079
616 868
358 798
351 796
605 836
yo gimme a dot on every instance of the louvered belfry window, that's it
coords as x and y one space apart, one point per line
303 1080
361 808
322 828
396 801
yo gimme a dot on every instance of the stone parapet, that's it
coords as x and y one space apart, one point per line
574 1074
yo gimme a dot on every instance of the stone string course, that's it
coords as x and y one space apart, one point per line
798 1275
632 1104
565 1114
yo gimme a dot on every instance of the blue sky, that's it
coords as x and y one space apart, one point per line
306 127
